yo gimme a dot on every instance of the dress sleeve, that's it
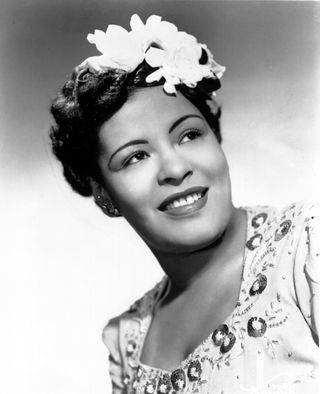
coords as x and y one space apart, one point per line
307 269
110 337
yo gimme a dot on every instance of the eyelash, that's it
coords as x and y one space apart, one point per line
196 132
128 161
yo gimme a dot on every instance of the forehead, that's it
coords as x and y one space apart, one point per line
147 109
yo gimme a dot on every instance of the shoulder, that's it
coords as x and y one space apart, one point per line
131 319
300 210
275 235
292 236
289 220
299 220
308 249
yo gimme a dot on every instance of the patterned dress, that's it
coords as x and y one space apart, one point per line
268 344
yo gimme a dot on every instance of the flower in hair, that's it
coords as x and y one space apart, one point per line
175 55
120 49
155 31
178 62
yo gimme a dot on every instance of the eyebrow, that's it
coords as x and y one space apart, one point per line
182 119
136 142
133 142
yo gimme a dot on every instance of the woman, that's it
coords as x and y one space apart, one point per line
137 128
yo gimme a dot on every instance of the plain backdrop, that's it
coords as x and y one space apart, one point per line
65 267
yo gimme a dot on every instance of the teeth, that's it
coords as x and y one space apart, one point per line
192 198
196 196
183 202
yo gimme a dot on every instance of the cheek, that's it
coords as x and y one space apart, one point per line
213 162
132 190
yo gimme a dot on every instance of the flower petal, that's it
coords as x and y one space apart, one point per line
99 38
153 20
136 23
154 57
98 35
154 77
115 30
168 88
172 80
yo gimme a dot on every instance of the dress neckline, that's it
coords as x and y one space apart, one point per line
161 290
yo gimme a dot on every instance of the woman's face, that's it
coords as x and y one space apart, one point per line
165 171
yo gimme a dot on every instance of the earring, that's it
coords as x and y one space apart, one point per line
109 207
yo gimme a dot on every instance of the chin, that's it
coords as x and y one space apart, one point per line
188 241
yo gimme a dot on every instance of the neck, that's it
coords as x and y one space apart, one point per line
189 270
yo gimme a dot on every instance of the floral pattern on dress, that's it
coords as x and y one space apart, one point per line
151 387
256 326
178 379
259 219
194 370
282 230
229 339
164 385
227 343
219 334
258 285
254 242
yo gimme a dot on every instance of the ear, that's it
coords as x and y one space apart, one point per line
103 200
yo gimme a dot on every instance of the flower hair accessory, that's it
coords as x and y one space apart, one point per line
176 55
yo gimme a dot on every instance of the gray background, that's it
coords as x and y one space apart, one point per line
65 268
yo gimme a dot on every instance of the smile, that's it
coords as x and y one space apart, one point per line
186 202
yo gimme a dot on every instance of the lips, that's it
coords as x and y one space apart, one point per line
184 201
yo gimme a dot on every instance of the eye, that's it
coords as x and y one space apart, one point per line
190 135
135 158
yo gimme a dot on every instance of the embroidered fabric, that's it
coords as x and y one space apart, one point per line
269 343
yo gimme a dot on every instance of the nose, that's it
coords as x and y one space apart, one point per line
174 168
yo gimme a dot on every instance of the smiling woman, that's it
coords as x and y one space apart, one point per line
152 166
137 128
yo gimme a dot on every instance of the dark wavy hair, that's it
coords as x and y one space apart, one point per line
88 99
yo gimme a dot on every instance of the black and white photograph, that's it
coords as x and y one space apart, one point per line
160 197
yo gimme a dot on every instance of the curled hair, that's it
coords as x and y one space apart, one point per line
88 99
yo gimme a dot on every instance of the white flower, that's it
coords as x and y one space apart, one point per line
178 62
120 49
175 54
